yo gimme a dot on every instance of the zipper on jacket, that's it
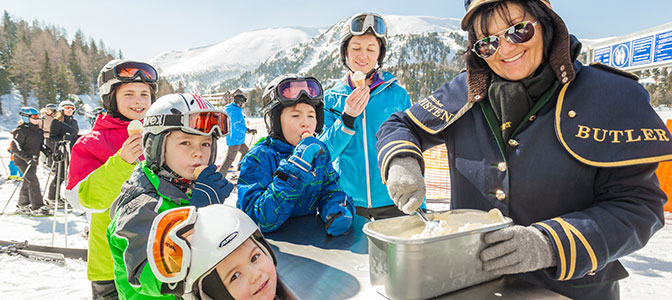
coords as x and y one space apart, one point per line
366 160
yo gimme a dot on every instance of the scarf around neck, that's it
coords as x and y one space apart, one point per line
512 100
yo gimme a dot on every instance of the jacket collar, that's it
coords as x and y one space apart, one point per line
280 146
106 121
559 58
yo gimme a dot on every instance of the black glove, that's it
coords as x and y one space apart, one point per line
46 150
252 131
33 160
57 156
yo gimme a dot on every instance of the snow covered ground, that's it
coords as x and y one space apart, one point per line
20 278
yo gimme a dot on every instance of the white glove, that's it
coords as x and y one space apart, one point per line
405 184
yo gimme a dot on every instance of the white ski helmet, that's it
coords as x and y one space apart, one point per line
218 230
361 24
186 112
64 104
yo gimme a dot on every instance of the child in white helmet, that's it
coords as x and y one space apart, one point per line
214 252
179 137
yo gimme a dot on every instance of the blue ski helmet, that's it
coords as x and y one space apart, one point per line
26 112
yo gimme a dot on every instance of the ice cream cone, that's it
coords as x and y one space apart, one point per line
358 78
134 127
198 170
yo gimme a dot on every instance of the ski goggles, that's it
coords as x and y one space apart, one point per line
168 252
68 108
361 23
516 34
203 122
128 71
289 91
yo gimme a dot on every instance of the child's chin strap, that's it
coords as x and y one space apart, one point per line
213 287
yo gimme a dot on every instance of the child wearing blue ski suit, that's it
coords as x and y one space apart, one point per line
289 173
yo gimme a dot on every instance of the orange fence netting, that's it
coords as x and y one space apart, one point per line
664 174
437 176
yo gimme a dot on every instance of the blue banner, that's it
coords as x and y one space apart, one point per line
663 47
642 51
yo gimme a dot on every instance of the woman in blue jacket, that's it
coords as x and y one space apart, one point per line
354 114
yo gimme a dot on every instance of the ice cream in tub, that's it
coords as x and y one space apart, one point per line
407 263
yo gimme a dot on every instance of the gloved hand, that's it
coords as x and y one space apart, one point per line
405 184
210 188
57 156
33 160
252 131
339 222
517 249
305 152
46 150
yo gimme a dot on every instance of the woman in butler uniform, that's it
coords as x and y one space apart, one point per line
568 151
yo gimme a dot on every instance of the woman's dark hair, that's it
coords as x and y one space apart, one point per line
487 12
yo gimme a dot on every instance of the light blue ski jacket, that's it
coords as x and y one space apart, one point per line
354 150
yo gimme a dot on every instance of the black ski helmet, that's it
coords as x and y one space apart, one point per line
272 108
239 99
107 86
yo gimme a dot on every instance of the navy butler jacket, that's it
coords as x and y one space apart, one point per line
580 168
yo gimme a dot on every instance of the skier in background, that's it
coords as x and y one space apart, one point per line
235 141
47 114
14 172
27 142
63 134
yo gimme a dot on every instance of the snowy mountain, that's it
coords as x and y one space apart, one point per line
283 50
211 64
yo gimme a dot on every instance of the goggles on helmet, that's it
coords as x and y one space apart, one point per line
202 122
128 71
361 23
291 90
168 252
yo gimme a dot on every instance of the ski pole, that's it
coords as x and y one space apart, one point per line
16 188
4 165
66 163
46 184
10 197
57 196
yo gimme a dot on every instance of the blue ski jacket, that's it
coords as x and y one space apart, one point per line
354 149
272 190
237 127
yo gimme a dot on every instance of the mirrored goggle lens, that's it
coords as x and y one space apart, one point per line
69 107
361 24
167 254
131 70
207 121
291 90
34 116
516 34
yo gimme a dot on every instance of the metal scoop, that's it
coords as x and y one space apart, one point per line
431 225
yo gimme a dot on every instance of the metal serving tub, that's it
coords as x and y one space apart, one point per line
404 268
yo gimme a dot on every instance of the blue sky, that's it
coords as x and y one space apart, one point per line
143 29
